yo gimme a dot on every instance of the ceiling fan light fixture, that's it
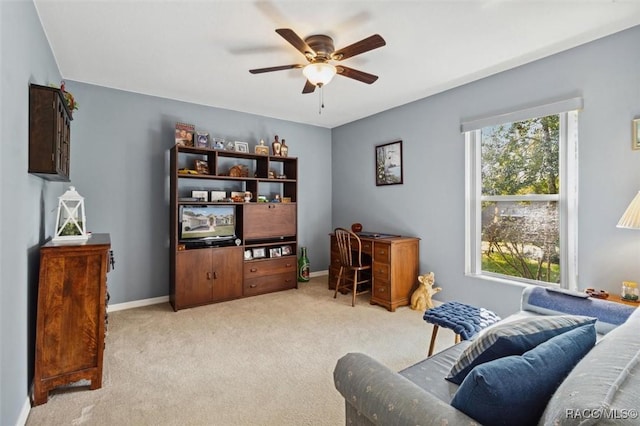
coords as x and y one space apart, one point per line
319 73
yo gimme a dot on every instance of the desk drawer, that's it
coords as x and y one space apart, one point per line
381 272
382 291
367 247
382 253
267 284
261 268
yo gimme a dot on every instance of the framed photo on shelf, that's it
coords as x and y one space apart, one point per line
202 167
184 134
202 140
241 146
275 252
286 250
258 253
389 163
199 195
635 134
217 143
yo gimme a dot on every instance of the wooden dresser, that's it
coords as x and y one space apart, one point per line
395 265
70 328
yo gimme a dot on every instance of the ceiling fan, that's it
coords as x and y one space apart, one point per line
319 51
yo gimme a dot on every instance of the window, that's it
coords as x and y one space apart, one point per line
521 196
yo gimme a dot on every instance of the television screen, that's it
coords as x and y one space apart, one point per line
206 221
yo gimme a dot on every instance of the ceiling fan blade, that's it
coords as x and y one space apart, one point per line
356 75
280 68
365 45
308 87
296 42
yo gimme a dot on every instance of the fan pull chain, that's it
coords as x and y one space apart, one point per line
321 99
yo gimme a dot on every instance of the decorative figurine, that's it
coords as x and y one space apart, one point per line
276 146
421 298
284 149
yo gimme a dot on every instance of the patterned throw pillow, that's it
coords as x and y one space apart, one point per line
513 338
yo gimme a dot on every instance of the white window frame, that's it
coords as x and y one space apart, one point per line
567 197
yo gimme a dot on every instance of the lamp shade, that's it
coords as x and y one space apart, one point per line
631 217
71 221
319 73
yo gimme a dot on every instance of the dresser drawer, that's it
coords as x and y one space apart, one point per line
260 268
382 253
267 284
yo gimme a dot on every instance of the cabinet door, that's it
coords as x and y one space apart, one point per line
227 273
269 220
194 277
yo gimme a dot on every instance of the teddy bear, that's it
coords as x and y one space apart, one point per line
421 298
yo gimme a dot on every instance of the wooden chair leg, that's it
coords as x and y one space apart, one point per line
335 293
355 287
433 340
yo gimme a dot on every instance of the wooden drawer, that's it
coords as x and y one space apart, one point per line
367 247
381 271
382 291
269 220
270 283
262 268
382 253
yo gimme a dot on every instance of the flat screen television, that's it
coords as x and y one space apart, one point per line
206 222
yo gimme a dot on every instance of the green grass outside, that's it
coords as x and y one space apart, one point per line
497 264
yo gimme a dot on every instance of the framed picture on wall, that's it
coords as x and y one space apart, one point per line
389 163
635 134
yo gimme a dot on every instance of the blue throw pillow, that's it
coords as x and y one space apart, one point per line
512 338
515 390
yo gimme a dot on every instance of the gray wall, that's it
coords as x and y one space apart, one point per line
120 160
430 203
25 201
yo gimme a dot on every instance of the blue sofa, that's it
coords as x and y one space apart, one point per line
603 388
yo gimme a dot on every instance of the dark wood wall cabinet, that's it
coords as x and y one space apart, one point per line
71 316
49 133
262 259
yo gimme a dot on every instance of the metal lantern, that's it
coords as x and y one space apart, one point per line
71 221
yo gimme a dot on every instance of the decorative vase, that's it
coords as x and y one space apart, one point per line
284 149
303 266
276 146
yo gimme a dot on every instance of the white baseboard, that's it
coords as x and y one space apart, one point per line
164 299
24 413
137 303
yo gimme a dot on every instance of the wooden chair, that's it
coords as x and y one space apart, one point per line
350 249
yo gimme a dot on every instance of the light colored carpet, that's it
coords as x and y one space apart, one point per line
265 360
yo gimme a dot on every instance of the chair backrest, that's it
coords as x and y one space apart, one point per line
349 246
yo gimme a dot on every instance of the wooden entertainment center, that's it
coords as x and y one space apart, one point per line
217 272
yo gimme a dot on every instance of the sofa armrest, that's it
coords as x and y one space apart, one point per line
387 398
549 302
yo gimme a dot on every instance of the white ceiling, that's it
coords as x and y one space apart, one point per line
201 51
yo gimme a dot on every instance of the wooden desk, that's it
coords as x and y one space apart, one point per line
395 263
